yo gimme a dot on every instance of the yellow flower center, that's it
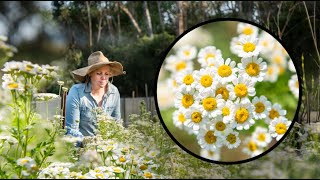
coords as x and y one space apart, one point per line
253 69
220 126
209 55
265 43
29 67
231 138
24 161
211 153
187 100
13 85
277 59
196 117
122 159
261 137
247 31
210 138
224 92
242 115
143 167
281 128
259 107
181 118
273 114
252 146
188 79
147 175
241 90
174 82
224 71
99 175
206 80
181 65
225 111
209 103
187 53
297 84
249 47
270 70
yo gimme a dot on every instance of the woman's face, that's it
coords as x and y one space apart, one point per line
100 77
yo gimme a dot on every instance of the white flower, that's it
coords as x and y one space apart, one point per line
210 103
186 78
179 118
228 111
275 112
212 155
272 73
194 117
261 136
253 68
187 52
232 140
222 88
207 55
225 70
278 127
247 29
280 60
27 162
251 148
60 83
262 107
248 46
267 42
291 66
244 115
11 66
175 64
220 128
294 85
45 96
242 88
205 79
165 96
207 140
183 98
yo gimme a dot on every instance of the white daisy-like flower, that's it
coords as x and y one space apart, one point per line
261 136
242 88
212 155
205 79
291 66
280 60
222 88
221 128
272 73
186 78
27 162
267 42
96 175
233 45
12 85
244 115
247 29
294 85
187 52
228 111
253 67
226 70
174 64
179 118
183 98
278 127
275 112
194 117
11 66
210 103
207 55
207 140
278 47
28 67
248 46
172 83
251 148
232 139
262 107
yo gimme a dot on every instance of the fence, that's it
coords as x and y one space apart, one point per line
128 106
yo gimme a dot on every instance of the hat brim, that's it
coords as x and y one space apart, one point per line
115 69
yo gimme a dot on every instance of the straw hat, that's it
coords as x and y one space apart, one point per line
95 61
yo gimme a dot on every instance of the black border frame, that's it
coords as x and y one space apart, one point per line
165 53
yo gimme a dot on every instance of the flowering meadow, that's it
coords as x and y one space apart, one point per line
229 101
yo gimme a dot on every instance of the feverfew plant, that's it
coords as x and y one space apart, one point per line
218 101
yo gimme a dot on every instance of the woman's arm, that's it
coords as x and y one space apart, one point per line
73 112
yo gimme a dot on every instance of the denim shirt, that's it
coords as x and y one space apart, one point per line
80 121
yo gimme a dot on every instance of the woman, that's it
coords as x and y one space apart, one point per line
95 91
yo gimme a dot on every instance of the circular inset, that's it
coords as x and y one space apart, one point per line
227 91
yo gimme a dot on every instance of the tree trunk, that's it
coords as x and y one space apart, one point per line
90 26
149 24
134 22
180 18
118 21
160 16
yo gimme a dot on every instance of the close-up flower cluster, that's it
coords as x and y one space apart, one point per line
216 99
